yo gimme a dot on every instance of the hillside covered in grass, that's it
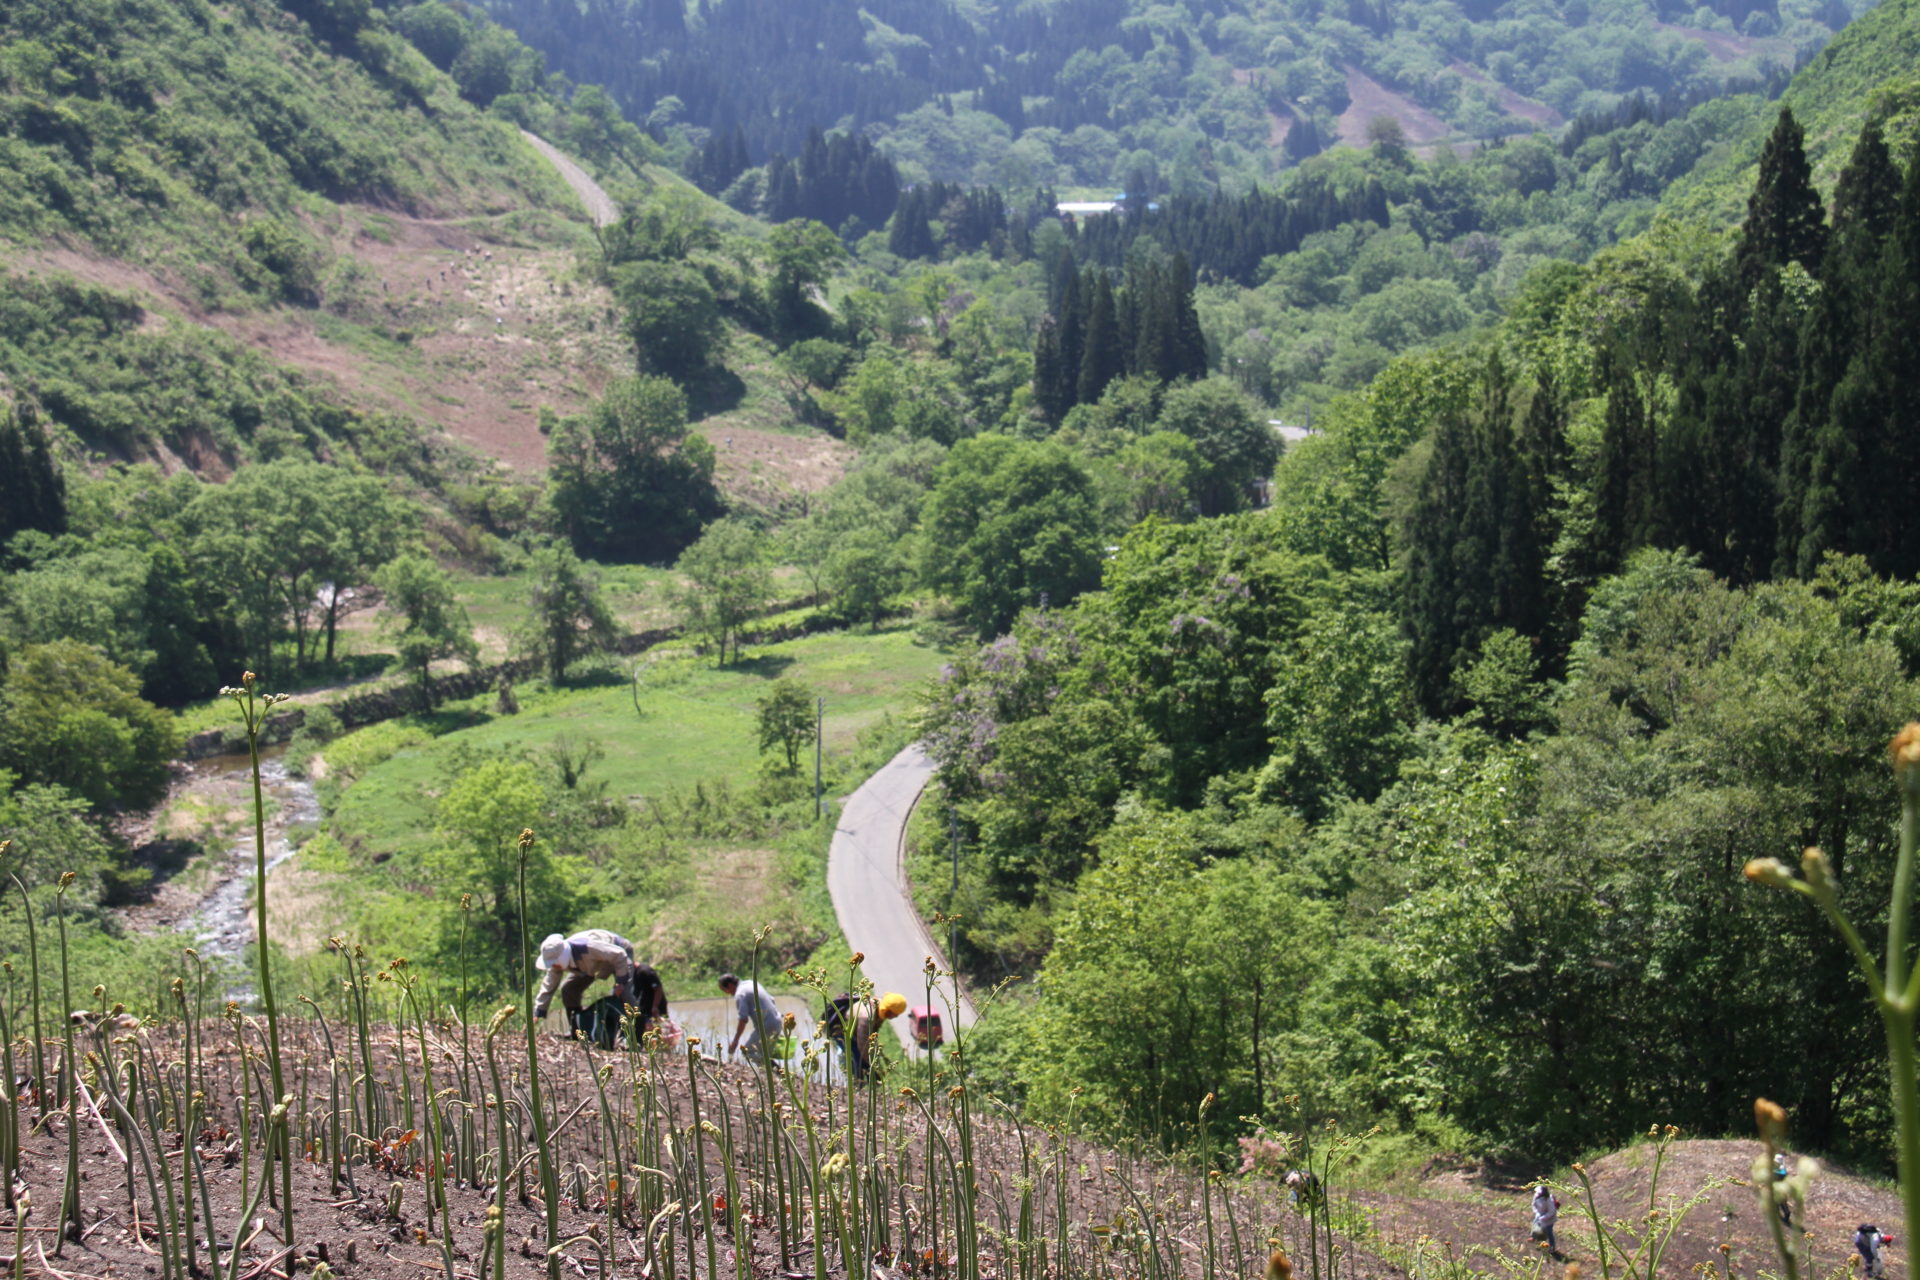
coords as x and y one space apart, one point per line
246 231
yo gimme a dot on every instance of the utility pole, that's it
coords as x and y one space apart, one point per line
819 723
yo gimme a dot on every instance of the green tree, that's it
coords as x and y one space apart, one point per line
33 491
672 317
1472 552
75 719
867 566
888 392
785 720
1786 218
908 235
670 225
726 582
1171 977
1187 634
1237 446
1102 358
1339 712
1156 475
98 596
1330 493
435 30
1007 522
810 366
1829 480
425 621
629 482
1055 381
478 823
567 619
488 65
803 253
287 541
51 835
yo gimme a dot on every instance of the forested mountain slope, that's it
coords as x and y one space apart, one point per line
246 230
1872 69
1423 795
1120 93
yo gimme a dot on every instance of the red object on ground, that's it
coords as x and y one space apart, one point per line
927 1031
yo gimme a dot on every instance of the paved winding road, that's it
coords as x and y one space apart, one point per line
600 205
868 882
865 871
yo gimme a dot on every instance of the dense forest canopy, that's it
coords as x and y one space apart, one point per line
1127 96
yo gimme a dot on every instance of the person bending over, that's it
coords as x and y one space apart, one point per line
757 1014
574 964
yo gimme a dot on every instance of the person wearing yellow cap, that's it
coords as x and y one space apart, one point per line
862 1045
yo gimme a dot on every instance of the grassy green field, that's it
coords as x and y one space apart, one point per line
694 723
640 596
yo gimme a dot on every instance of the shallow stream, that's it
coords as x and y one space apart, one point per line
222 924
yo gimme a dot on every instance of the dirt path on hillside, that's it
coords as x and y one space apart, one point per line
600 205
1511 101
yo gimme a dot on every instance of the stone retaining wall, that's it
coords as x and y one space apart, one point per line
375 705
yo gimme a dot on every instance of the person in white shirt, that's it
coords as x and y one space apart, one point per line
1546 1212
757 1013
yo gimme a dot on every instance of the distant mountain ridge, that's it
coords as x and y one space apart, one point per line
1124 94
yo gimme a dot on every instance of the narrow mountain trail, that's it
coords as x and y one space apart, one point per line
600 205
866 877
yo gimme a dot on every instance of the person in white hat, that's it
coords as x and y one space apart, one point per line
574 964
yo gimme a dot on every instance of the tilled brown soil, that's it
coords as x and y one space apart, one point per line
1483 1214
1109 1209
679 1196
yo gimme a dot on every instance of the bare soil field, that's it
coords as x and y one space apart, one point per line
672 1165
1370 99
774 470
469 326
1511 101
1725 47
1480 1211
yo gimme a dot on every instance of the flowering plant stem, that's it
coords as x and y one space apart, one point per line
253 712
549 1174
1895 987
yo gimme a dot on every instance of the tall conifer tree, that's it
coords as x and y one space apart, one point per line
1187 347
1786 221
1053 381
1473 558
1102 360
33 492
1820 450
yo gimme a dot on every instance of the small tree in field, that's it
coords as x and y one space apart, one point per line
568 620
727 582
786 720
423 619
